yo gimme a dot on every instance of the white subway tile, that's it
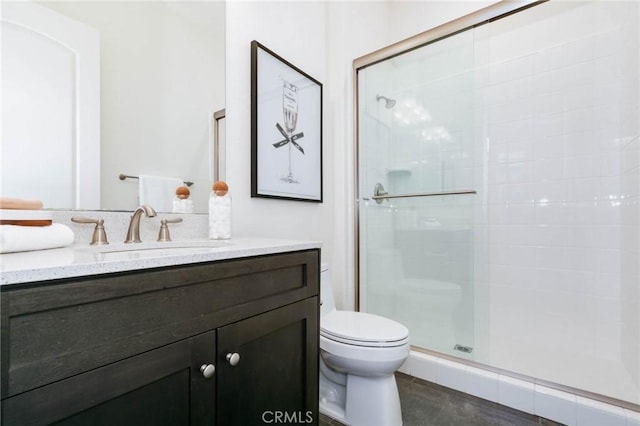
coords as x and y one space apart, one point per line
482 383
520 129
607 285
548 214
580 237
451 374
511 70
548 148
523 256
581 259
516 394
548 257
633 417
580 50
608 69
607 43
551 235
578 97
548 103
579 75
423 366
548 191
582 189
580 120
608 340
406 366
548 59
498 174
609 261
555 405
547 170
595 413
497 194
579 143
498 154
550 81
548 124
519 172
520 193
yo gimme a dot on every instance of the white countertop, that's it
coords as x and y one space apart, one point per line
85 260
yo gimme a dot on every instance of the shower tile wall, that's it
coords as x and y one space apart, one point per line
557 108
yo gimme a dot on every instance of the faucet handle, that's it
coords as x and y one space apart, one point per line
164 229
99 234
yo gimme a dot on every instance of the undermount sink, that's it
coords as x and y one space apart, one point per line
121 251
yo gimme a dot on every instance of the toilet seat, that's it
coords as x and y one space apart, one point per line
363 329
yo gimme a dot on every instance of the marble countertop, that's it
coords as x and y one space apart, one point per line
84 260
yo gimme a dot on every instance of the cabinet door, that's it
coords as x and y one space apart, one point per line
275 379
161 387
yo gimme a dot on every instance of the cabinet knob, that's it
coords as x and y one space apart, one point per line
207 370
233 358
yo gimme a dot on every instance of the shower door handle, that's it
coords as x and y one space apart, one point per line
379 194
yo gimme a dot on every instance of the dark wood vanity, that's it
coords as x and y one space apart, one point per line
229 342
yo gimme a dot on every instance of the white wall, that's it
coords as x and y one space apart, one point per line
296 32
356 28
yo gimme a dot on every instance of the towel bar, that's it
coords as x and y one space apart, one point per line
123 177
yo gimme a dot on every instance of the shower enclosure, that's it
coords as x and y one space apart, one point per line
499 183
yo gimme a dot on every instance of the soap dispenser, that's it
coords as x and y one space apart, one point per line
181 202
220 212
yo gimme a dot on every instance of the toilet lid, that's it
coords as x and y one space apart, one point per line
364 329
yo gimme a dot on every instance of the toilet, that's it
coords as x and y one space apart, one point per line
359 353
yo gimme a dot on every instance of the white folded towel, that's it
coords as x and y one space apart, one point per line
41 258
158 191
14 238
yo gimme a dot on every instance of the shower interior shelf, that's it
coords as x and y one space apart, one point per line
399 171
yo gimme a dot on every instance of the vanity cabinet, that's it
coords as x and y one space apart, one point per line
231 342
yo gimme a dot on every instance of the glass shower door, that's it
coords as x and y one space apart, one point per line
417 195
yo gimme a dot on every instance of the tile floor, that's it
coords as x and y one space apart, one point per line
428 404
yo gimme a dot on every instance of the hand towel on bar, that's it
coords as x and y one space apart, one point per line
14 238
158 192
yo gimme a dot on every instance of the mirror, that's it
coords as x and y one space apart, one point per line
220 145
159 81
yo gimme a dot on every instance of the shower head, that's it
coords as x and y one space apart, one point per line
388 102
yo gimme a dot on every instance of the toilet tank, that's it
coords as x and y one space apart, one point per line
327 302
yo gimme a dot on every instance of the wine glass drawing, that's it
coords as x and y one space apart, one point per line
290 114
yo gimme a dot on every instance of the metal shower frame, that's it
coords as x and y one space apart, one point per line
475 19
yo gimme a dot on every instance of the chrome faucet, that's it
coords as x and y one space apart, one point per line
133 233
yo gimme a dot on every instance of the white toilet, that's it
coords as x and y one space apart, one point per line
359 353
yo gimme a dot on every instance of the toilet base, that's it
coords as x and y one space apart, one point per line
373 401
368 401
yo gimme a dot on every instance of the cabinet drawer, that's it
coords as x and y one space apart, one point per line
55 330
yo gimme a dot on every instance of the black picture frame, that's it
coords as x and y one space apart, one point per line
286 129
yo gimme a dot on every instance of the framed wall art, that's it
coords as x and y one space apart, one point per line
286 129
